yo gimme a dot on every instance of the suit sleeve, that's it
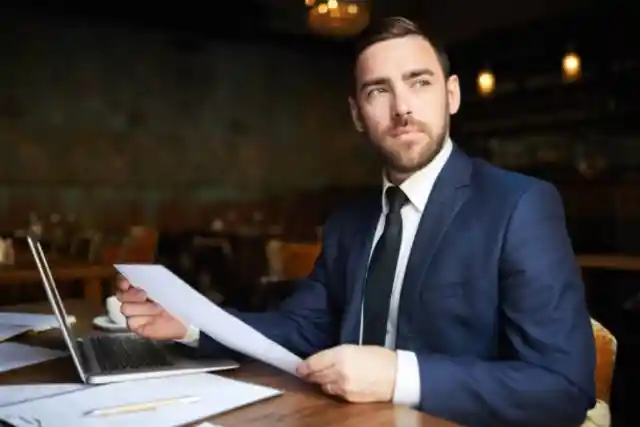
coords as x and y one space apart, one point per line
306 322
548 379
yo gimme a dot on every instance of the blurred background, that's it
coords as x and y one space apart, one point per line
215 138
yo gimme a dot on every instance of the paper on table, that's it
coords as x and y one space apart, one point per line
217 395
37 322
10 331
184 302
12 394
14 355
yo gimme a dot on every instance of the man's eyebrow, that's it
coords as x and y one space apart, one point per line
417 73
378 81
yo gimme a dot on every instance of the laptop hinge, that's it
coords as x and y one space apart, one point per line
89 361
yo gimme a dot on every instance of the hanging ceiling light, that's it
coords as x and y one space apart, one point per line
571 67
337 18
486 83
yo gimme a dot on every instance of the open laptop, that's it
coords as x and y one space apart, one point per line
111 357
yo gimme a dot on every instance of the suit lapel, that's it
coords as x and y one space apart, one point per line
362 239
449 192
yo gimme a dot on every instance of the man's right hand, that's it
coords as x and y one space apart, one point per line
145 317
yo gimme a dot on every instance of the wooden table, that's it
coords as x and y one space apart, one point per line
91 276
301 404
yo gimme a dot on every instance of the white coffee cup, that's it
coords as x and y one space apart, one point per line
113 311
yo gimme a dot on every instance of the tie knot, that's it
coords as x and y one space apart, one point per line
396 199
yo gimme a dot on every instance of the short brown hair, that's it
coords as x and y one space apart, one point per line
395 27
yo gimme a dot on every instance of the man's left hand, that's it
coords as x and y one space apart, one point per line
355 373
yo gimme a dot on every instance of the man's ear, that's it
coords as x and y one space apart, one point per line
453 94
355 114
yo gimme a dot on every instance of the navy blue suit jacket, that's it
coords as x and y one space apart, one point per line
492 301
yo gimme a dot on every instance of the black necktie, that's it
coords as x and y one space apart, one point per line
382 270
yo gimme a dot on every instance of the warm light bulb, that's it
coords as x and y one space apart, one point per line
338 18
486 82
309 2
571 65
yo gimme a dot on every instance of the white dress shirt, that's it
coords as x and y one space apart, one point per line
417 188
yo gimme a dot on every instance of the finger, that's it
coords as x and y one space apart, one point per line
131 309
122 284
137 324
317 362
132 295
327 388
309 374
332 388
329 375
120 296
147 329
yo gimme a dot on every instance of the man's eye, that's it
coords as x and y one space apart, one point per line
377 91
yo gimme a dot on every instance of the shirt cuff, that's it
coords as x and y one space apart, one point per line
407 387
192 338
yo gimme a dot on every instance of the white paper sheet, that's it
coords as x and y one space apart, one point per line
36 322
184 302
217 395
12 394
10 331
14 355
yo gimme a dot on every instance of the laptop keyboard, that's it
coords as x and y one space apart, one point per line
122 352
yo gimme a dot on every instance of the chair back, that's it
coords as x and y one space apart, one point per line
606 349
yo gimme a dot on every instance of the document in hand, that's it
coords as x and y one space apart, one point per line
157 402
184 302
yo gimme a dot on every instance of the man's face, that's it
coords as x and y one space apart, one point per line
403 102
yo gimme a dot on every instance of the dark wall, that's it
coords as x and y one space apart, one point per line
92 114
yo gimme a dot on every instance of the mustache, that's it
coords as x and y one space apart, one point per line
407 123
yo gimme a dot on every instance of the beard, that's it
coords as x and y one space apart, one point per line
404 157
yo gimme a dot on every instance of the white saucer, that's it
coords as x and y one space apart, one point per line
104 322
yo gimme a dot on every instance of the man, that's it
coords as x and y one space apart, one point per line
455 291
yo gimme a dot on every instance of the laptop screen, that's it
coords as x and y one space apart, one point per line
56 302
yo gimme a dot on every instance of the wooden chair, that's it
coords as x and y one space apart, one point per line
606 350
286 262
290 261
140 245
298 259
606 347
273 252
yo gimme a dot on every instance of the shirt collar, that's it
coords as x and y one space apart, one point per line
418 186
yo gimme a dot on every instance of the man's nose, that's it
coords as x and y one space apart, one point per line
402 119
401 116
401 109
